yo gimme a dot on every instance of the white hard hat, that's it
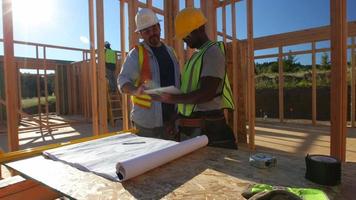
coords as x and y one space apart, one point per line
145 18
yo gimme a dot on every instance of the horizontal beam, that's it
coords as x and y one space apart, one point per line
298 37
226 2
47 45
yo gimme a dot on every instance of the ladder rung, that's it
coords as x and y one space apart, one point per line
116 109
115 100
120 117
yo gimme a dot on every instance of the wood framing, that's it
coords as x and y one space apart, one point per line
353 82
299 37
251 75
314 111
338 98
93 71
209 10
239 118
10 72
280 85
102 82
125 97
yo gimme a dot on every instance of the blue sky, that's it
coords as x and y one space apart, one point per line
65 22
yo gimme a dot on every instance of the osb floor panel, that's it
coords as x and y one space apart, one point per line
209 173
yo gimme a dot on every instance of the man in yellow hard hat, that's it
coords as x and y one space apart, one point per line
204 84
150 64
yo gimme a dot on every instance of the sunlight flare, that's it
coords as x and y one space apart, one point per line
33 12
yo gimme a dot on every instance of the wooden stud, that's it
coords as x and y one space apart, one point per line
251 74
20 88
94 82
46 87
280 85
124 97
38 84
353 82
102 82
239 118
11 86
314 91
189 3
338 100
56 90
209 10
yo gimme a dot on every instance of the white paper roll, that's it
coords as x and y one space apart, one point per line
139 165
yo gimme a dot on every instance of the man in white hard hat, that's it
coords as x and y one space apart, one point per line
150 64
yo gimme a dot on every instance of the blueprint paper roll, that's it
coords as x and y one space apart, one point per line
136 166
121 157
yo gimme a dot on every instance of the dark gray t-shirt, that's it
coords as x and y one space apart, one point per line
166 73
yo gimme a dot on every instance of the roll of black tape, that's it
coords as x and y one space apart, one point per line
324 170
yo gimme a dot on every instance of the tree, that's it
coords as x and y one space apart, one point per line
325 62
289 62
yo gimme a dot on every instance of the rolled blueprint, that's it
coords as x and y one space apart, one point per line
121 157
139 165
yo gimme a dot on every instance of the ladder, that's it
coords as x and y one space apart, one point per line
114 107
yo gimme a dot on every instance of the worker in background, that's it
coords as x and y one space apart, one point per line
150 64
110 65
204 84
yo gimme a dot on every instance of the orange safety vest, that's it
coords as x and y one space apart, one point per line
144 101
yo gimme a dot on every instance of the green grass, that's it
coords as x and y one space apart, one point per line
27 103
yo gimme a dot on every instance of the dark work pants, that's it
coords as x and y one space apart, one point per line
215 128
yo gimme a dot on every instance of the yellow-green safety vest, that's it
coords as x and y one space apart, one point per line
190 80
110 56
144 101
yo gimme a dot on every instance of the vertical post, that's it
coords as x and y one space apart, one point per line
93 70
280 84
239 122
132 7
56 90
19 84
170 11
102 82
353 82
224 22
46 87
125 98
314 114
209 10
38 82
251 74
338 78
11 86
149 3
189 52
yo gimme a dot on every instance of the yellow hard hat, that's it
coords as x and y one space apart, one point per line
187 20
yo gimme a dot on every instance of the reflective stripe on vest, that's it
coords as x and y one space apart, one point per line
190 80
144 101
110 56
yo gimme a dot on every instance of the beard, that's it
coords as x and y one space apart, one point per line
154 40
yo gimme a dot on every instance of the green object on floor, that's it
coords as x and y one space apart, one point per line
261 191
